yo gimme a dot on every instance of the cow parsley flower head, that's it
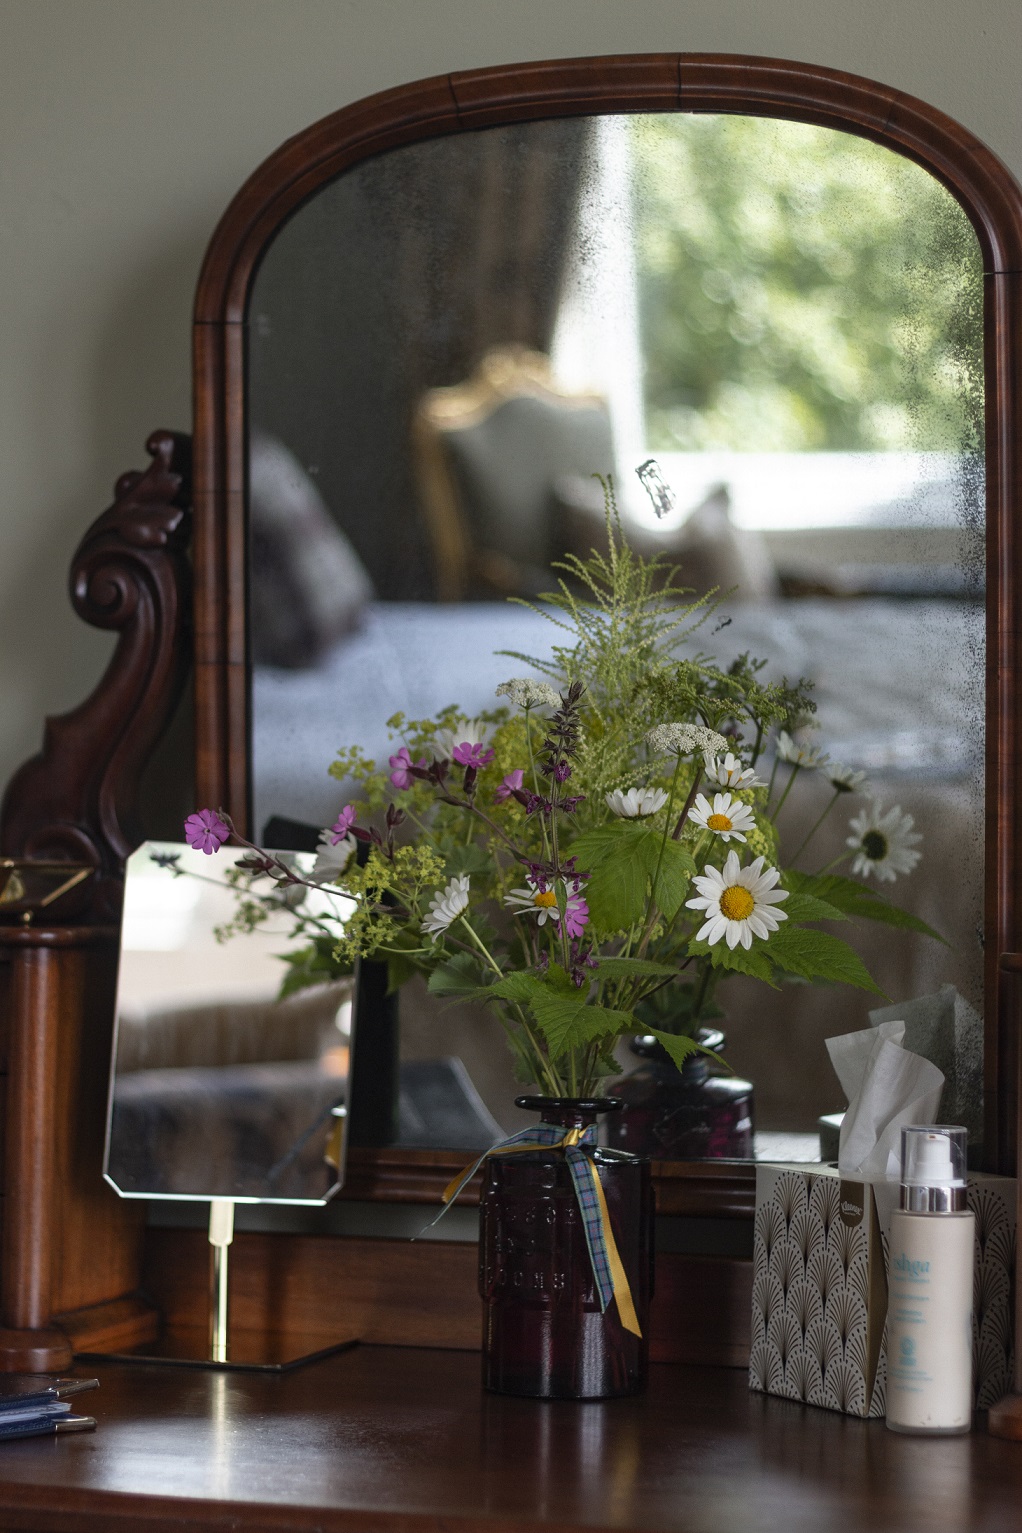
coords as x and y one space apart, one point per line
738 902
446 907
726 817
730 773
636 803
684 740
883 842
526 693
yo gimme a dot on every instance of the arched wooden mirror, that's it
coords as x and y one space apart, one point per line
793 284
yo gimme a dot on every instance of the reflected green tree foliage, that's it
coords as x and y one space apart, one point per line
801 290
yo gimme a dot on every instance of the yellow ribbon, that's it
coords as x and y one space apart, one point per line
619 1278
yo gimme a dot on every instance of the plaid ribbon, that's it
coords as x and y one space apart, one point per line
608 1269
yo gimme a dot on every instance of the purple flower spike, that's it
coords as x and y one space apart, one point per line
512 783
345 820
472 754
402 774
205 831
562 771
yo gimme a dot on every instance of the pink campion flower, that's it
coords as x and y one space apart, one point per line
472 754
401 777
576 915
512 782
345 820
205 831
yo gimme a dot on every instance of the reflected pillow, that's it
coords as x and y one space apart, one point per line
707 549
307 585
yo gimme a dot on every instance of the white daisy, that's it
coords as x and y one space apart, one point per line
799 755
730 772
332 860
726 817
525 693
883 842
738 902
542 903
636 803
465 732
844 779
684 740
445 908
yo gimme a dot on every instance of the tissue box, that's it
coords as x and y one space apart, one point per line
819 1289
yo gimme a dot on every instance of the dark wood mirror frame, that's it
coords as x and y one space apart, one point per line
654 83
75 799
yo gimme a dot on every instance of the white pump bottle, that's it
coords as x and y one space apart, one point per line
929 1317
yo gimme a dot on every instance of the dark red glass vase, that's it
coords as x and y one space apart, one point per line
695 1113
544 1334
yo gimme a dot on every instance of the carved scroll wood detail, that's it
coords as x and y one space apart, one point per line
76 798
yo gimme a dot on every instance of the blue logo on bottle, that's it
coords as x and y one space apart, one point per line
902 1263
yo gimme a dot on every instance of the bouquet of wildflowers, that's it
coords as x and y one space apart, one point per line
592 856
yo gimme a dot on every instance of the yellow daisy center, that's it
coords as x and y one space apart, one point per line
719 822
545 898
737 903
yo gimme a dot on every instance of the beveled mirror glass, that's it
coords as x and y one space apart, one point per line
220 1088
448 340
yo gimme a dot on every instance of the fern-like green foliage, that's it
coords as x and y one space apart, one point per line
554 877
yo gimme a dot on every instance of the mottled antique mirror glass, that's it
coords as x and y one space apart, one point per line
450 339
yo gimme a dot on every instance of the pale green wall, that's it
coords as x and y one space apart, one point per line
126 126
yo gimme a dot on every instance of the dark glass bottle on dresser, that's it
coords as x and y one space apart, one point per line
544 1332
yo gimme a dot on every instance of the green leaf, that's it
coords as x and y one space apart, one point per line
567 1022
622 859
401 967
676 869
559 979
560 1008
738 960
312 965
515 987
458 975
616 891
612 967
857 901
470 859
808 907
595 845
679 1047
813 954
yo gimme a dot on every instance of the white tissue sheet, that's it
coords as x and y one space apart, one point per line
887 1087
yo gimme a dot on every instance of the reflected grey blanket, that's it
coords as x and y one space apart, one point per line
898 685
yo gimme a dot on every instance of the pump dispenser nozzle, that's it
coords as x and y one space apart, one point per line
933 1168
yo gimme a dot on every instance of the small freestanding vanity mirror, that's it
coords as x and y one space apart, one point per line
229 1074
